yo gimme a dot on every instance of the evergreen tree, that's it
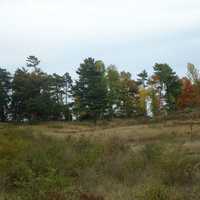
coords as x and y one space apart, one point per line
32 61
142 78
90 90
5 86
57 88
68 86
169 83
31 95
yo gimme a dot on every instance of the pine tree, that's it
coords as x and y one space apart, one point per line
169 83
5 86
90 90
142 78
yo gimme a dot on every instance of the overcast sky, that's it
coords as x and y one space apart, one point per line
132 34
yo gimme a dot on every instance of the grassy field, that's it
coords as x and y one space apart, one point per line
119 160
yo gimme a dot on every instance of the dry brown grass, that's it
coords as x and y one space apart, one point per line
112 161
128 132
118 128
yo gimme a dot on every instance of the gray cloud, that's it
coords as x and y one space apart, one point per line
132 34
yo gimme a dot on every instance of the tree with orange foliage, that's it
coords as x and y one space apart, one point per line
187 98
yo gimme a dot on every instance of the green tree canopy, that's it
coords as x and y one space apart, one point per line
90 90
169 83
5 87
142 78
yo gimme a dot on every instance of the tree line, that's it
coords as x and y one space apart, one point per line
99 92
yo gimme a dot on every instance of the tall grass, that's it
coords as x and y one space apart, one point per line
43 168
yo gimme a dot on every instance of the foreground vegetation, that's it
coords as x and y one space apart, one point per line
159 165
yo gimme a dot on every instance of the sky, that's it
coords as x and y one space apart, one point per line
132 34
